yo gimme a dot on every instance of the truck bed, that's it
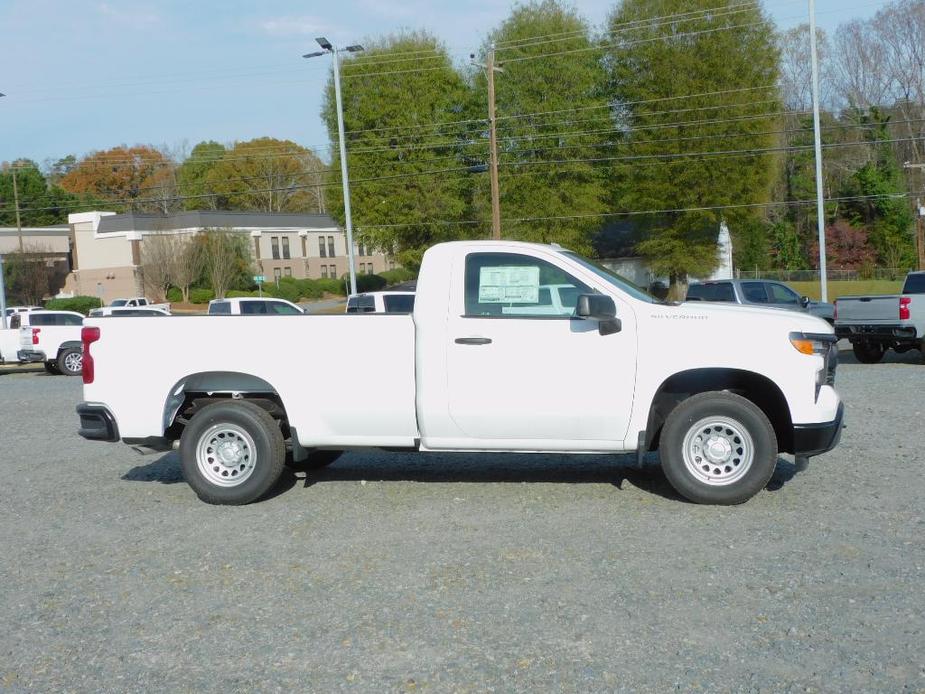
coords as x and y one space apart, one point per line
357 369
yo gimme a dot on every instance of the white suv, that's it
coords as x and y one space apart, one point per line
250 306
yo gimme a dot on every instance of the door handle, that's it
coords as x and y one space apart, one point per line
473 340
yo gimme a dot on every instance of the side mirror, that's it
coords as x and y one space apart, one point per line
601 308
804 301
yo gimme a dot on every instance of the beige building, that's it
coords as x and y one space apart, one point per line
106 248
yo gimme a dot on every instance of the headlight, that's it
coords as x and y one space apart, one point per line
821 345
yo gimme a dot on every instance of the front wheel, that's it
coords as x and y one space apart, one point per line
232 453
718 448
868 352
70 361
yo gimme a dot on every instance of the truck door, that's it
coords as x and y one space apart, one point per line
522 368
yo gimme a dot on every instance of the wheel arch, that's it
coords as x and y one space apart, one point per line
195 390
70 344
759 389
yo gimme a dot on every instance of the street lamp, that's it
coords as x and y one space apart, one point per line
328 47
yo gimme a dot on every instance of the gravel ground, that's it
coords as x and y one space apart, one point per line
394 572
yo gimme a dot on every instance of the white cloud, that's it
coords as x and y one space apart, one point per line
303 25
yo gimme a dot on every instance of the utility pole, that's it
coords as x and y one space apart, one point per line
817 141
491 69
328 47
16 203
3 323
919 220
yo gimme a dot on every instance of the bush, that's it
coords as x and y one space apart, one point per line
81 304
370 283
397 275
201 296
332 286
237 293
286 290
174 295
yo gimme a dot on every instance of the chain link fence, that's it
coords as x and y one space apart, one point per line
878 273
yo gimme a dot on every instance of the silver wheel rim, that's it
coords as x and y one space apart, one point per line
718 451
74 361
226 455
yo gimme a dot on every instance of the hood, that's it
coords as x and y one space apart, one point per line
757 316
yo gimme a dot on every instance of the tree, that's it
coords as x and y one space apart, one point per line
27 275
226 257
156 259
193 177
39 203
265 174
139 178
796 67
552 119
406 146
846 248
672 89
186 263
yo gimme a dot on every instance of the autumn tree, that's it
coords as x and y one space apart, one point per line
683 91
139 178
265 174
156 259
408 179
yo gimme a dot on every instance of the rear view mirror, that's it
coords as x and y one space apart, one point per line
601 308
804 301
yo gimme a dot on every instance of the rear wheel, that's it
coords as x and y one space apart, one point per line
868 352
70 361
718 448
232 453
52 367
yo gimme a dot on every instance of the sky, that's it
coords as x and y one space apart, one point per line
84 75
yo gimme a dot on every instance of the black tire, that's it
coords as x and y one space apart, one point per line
269 451
70 361
314 461
52 368
695 414
868 352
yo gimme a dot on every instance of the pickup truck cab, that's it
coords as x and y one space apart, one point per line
759 293
874 324
253 307
138 302
381 302
50 337
117 312
469 370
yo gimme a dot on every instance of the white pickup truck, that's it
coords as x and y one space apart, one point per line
480 365
50 337
874 324
120 306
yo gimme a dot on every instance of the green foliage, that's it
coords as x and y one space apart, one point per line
332 286
401 116
370 283
81 304
750 245
193 177
657 165
201 296
397 276
785 247
289 291
237 293
562 78
35 195
174 295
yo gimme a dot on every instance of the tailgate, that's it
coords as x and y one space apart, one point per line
868 309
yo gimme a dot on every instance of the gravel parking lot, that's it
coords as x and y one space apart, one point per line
395 572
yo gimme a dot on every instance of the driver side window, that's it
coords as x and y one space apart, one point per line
510 285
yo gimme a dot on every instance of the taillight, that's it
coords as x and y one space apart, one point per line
904 302
35 335
88 336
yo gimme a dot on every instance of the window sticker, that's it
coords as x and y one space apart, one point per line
509 284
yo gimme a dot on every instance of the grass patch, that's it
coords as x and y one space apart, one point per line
839 288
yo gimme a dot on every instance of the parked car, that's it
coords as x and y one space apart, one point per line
381 302
50 337
759 293
874 324
468 371
124 312
10 310
136 302
253 307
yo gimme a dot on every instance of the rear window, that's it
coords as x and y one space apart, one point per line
55 319
361 304
252 308
915 284
399 303
721 291
220 307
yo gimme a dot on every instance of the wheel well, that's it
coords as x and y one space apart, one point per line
73 344
759 389
196 391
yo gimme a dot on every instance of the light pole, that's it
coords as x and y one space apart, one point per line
817 141
328 47
3 322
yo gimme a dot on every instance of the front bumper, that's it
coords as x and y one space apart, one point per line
29 356
97 423
815 439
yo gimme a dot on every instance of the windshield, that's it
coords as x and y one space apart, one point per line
613 278
119 302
